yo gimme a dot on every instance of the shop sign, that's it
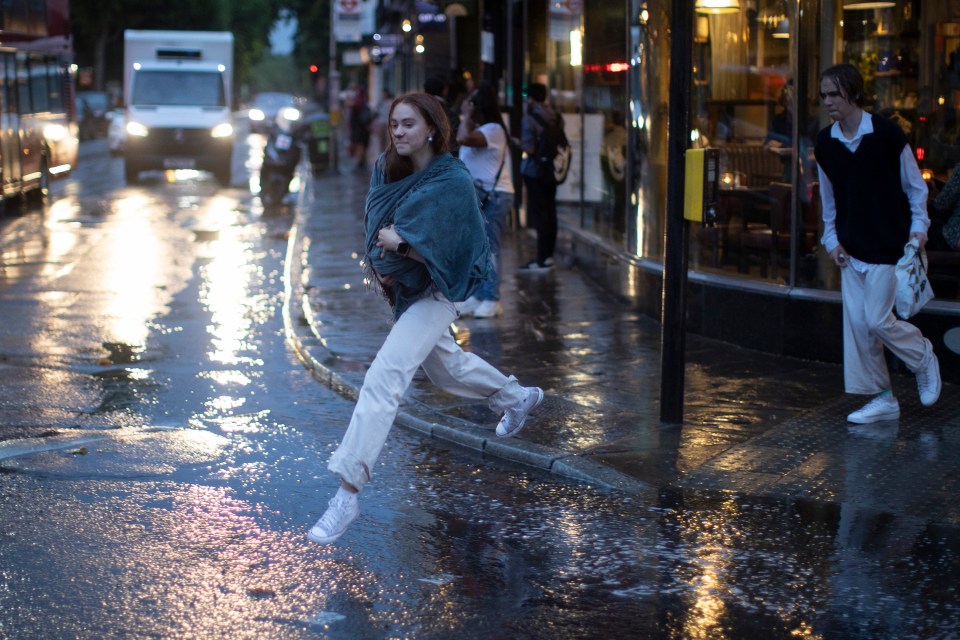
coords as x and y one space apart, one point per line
353 58
352 19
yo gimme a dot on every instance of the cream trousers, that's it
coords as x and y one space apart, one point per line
869 325
419 337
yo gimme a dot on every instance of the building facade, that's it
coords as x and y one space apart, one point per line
758 275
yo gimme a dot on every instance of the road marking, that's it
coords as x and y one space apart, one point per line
29 446
25 447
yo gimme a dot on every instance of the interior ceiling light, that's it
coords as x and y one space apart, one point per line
868 4
717 6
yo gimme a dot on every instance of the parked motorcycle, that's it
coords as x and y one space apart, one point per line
281 155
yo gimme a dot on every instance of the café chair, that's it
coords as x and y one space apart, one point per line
766 238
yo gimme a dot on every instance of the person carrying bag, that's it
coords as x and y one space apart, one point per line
873 200
485 149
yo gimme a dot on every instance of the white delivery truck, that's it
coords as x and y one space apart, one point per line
176 89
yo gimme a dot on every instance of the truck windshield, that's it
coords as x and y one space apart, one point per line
178 88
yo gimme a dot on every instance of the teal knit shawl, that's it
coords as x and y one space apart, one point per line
436 211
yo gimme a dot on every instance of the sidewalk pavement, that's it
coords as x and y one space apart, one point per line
755 425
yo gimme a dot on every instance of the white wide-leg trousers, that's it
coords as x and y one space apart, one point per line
420 337
869 325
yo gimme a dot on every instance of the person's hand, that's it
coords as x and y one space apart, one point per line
466 109
388 239
839 257
922 237
387 281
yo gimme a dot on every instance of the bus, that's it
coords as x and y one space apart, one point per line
38 125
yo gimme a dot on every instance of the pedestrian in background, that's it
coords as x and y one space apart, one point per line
874 201
485 150
426 252
948 203
541 195
440 89
381 121
360 119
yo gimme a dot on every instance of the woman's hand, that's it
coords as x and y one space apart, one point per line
839 256
922 237
388 239
386 281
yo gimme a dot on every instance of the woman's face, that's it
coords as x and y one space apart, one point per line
410 132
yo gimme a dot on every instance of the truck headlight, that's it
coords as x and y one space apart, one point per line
290 113
256 114
137 129
55 132
223 130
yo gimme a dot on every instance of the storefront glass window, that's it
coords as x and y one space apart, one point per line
647 126
744 104
604 120
908 53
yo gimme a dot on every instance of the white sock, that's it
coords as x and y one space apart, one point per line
346 494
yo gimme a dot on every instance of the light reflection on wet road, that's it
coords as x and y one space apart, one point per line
190 460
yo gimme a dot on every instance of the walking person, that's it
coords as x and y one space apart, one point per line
360 118
541 194
380 127
874 200
437 87
485 150
426 253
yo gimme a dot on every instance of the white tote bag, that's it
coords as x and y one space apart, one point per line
913 287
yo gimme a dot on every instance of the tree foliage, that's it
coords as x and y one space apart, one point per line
98 27
312 42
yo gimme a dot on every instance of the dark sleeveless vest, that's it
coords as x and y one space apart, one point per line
873 212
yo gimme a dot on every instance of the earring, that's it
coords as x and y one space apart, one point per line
429 138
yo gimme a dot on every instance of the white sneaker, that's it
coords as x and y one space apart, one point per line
488 309
534 266
929 383
513 418
883 407
339 515
468 306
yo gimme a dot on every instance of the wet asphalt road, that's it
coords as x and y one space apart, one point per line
162 453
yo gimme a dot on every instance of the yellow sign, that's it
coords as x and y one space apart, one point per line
693 185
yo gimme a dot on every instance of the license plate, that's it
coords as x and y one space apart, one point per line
283 142
179 163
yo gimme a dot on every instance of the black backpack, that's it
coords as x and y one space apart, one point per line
552 155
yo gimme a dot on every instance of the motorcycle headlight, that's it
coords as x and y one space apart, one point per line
223 130
137 129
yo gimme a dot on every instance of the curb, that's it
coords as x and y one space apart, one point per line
307 343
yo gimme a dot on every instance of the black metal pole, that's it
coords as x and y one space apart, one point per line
672 327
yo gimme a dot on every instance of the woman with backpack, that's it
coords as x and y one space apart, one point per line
485 150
